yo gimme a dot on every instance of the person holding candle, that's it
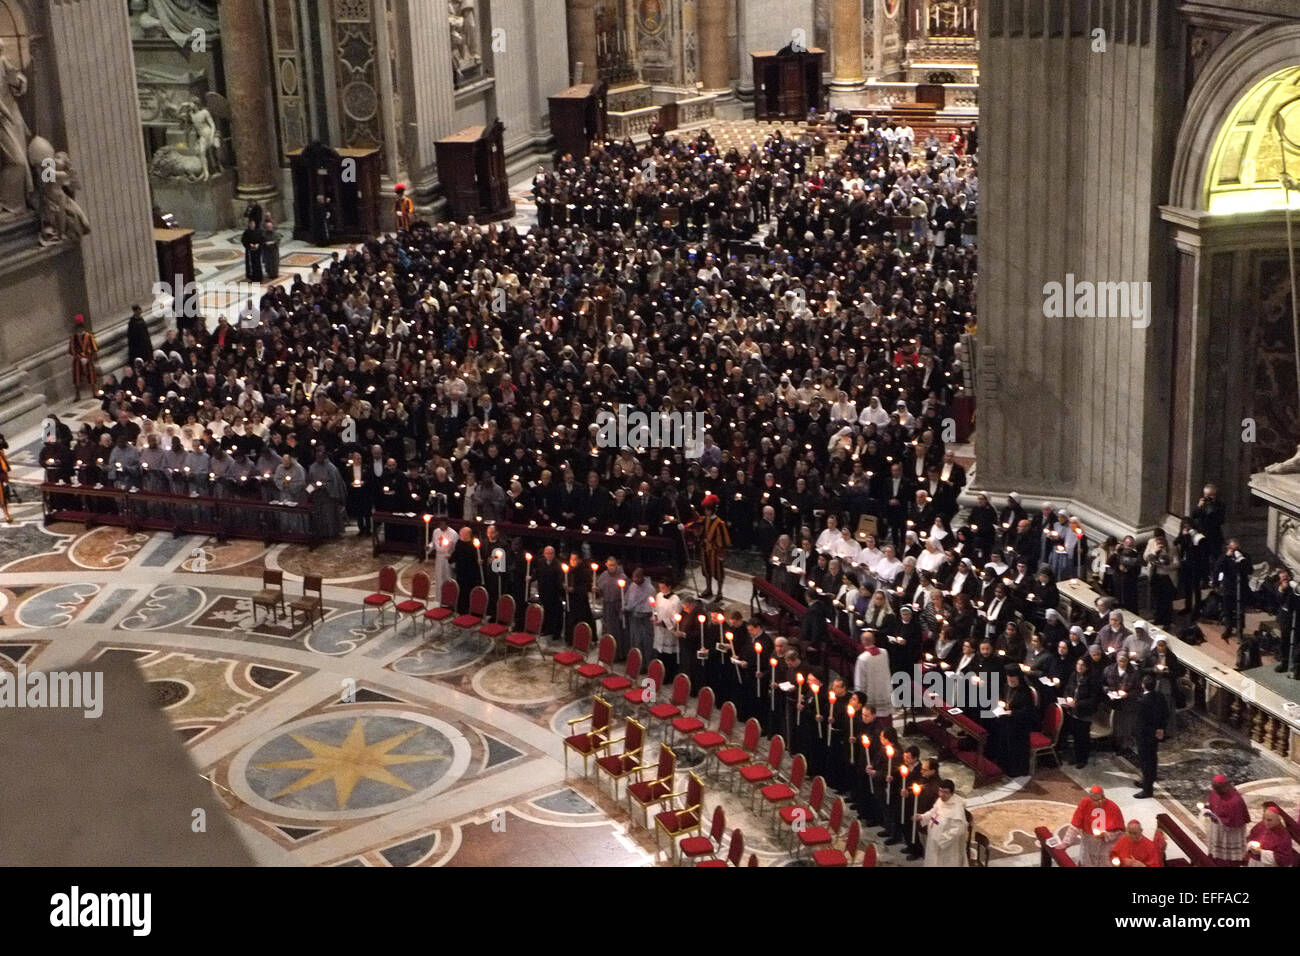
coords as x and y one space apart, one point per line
1081 697
923 792
611 603
1269 842
465 564
667 614
1226 819
946 828
578 590
1096 825
551 594
906 767
637 599
1134 849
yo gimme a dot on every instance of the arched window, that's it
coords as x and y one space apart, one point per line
1249 155
14 34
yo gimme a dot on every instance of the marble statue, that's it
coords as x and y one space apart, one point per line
1289 467
61 215
177 19
202 137
462 16
17 188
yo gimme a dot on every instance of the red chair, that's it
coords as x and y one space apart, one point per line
618 766
736 757
418 602
735 850
671 709
1044 741
504 619
590 743
383 595
869 857
575 655
647 793
446 609
478 602
600 667
759 775
677 822
529 636
703 714
642 695
711 740
616 683
693 848
800 815
814 838
780 794
832 857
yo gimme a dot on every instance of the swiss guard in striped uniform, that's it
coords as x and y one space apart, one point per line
83 348
714 542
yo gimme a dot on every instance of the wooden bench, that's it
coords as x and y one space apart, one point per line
840 651
947 729
1051 854
1176 835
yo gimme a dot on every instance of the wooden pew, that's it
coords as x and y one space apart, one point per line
1176 835
840 652
1051 854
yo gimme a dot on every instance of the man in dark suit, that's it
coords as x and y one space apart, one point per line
896 491
1153 715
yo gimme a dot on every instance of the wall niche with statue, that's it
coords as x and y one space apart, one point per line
183 110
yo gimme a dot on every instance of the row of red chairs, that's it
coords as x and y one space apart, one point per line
682 824
443 614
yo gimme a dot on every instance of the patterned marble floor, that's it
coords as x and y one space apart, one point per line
355 743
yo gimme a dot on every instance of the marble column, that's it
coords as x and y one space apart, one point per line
91 41
582 39
715 63
846 45
431 102
248 86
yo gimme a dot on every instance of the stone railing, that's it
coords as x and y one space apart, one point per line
621 125
962 96
634 96
695 109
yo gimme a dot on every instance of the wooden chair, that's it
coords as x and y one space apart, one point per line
622 765
312 602
528 637
676 822
272 594
418 603
382 597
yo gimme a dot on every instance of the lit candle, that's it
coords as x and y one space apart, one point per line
816 689
889 769
851 710
701 619
758 670
798 698
866 756
830 718
425 553
902 804
916 795
772 662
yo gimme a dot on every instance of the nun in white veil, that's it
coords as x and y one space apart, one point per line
874 414
932 558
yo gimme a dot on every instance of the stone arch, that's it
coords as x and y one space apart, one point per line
1254 66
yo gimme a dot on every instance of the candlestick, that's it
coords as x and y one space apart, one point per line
798 698
424 555
866 757
772 681
528 567
902 804
830 718
758 670
916 795
889 771
850 711
816 692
